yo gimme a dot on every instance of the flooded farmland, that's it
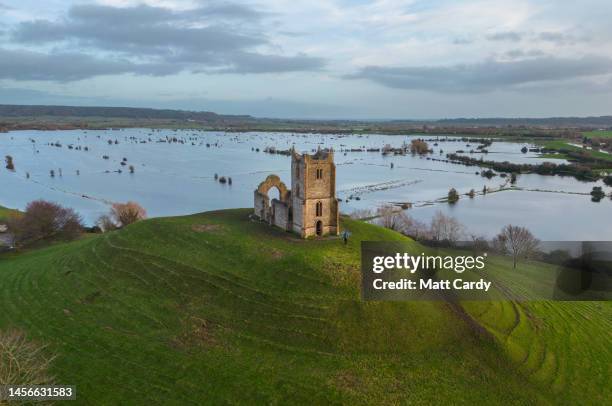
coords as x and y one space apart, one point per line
173 173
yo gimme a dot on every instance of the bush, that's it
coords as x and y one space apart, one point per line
597 194
608 180
9 163
48 221
453 196
419 147
125 214
22 362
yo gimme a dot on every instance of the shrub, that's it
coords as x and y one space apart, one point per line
597 194
44 220
419 147
23 362
453 196
9 163
608 180
127 213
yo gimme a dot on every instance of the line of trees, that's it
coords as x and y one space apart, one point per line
582 172
44 221
446 231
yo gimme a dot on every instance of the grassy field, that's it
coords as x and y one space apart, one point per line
562 145
598 134
215 309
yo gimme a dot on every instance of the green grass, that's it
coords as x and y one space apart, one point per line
562 145
598 134
215 309
6 213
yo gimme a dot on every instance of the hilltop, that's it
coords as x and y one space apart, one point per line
215 308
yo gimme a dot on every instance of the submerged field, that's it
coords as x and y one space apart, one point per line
215 308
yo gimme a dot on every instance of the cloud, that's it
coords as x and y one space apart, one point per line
510 36
66 67
560 38
486 76
220 37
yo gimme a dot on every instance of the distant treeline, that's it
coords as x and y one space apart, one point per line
114 112
582 172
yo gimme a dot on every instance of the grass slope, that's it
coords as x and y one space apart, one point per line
6 213
213 308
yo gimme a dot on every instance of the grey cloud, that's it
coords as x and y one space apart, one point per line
520 53
462 41
486 76
203 39
257 63
5 7
65 67
560 37
511 36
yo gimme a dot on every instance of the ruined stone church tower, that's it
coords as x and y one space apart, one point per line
310 208
313 194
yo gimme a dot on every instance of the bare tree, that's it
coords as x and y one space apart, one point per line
106 223
445 228
518 242
362 214
417 230
392 218
127 213
44 220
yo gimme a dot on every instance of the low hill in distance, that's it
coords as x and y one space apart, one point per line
216 308
16 117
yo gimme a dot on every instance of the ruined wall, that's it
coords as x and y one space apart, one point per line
261 205
280 212
297 192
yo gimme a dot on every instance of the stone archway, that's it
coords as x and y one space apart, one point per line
263 209
274 181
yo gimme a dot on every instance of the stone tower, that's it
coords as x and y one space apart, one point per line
313 194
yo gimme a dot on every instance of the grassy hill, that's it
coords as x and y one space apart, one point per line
214 308
6 213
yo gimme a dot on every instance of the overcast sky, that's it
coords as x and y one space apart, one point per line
313 58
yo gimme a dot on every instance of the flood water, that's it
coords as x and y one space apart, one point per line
176 178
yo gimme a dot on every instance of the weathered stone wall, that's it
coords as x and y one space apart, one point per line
261 205
280 212
297 192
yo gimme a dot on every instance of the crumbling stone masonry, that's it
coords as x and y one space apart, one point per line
310 208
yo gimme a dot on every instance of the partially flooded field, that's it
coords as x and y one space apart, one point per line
173 172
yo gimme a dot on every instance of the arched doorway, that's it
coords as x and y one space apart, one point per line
319 227
263 208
